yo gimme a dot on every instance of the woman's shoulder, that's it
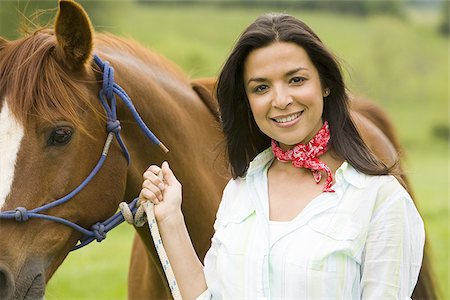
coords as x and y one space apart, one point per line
386 185
393 201
378 189
234 198
365 181
349 174
234 186
376 197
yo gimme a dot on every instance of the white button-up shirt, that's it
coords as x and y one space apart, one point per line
365 241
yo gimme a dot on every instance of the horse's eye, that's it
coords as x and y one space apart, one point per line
60 136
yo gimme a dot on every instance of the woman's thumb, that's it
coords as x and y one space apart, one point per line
168 175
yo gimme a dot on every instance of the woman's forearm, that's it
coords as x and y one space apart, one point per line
186 266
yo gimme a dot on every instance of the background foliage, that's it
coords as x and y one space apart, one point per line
394 53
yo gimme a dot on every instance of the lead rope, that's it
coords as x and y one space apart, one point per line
146 211
149 210
109 88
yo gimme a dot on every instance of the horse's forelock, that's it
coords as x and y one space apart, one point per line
35 83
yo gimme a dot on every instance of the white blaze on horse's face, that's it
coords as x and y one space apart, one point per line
11 134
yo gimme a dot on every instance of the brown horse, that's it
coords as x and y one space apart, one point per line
52 132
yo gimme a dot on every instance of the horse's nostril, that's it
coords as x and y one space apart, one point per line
6 283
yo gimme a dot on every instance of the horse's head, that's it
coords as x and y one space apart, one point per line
51 136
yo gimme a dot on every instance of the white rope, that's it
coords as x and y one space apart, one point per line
147 208
139 218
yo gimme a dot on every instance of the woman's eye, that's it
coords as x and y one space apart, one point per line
260 88
60 136
297 79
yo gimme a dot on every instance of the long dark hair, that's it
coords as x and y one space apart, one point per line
243 137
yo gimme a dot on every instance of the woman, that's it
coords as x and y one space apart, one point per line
310 213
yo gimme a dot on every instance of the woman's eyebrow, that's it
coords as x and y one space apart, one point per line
257 79
293 71
288 73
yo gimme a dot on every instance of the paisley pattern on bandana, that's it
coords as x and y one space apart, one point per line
306 156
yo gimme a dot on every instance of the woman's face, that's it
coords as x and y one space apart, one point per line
285 93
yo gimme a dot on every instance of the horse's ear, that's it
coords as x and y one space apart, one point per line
74 33
204 87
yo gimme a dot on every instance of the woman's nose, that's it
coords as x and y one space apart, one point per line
281 98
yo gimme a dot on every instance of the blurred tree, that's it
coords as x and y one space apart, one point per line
361 7
20 16
445 25
358 7
6 23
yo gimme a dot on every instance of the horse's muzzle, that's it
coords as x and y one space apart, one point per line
6 283
30 283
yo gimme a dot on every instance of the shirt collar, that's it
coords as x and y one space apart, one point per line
261 161
345 173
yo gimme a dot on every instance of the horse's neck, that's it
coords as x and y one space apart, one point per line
181 120
176 115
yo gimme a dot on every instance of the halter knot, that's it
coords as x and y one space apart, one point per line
99 231
113 126
21 214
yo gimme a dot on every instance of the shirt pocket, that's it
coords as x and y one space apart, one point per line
336 239
338 227
233 235
314 279
233 238
318 265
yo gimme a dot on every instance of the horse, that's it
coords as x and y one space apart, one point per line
53 129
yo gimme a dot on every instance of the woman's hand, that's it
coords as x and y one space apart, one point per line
163 191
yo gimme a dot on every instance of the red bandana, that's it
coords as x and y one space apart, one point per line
305 156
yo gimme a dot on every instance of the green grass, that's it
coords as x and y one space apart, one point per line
401 64
98 271
428 171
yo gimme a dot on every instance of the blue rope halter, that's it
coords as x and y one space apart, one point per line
99 230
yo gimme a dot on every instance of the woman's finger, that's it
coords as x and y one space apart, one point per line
154 169
148 195
155 189
168 175
147 183
153 178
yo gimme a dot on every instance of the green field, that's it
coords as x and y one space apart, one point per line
403 64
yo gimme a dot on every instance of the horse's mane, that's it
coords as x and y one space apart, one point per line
135 49
35 84
153 68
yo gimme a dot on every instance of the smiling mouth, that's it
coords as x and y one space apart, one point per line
288 118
